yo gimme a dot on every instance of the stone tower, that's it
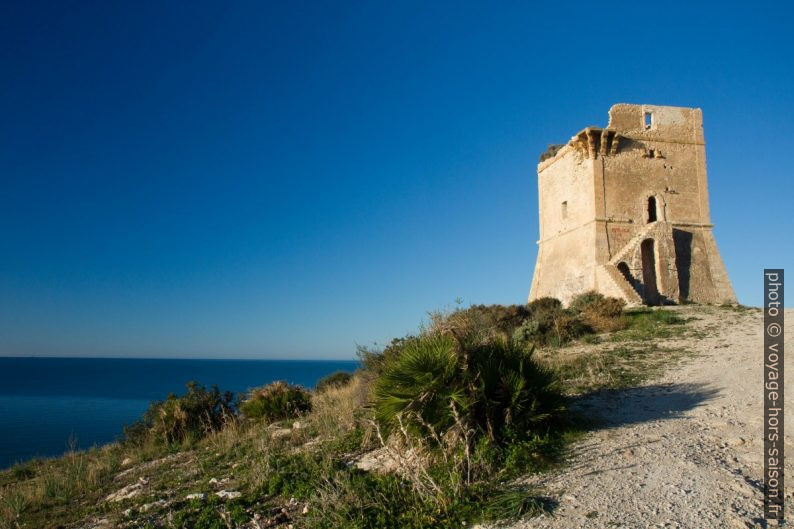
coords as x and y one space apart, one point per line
624 210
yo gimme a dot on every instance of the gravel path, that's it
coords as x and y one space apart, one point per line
685 450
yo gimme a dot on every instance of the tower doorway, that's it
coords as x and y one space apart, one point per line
651 290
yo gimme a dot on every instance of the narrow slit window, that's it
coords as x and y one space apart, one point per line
565 209
648 119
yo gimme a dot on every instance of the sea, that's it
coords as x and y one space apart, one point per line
51 405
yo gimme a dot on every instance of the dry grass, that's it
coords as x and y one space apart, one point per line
335 410
605 323
51 484
607 366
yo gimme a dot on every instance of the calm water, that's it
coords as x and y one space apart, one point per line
45 402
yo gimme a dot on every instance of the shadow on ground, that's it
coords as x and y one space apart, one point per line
611 408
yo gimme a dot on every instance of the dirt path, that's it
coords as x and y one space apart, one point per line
685 450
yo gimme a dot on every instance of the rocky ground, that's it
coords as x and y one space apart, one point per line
684 450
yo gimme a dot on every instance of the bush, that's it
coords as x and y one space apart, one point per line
566 327
503 318
484 323
334 380
545 304
544 311
373 360
594 302
600 312
188 417
527 332
441 383
277 401
419 383
584 300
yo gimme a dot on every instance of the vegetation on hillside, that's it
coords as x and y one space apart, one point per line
277 401
183 419
431 431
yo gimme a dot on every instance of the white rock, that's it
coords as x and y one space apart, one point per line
196 496
228 494
150 506
280 432
130 491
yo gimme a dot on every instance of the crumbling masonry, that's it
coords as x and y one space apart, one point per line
624 210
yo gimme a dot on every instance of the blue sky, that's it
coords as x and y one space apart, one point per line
254 179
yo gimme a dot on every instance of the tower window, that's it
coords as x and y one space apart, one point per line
652 209
648 117
565 209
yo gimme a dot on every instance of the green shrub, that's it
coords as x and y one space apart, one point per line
527 332
373 360
566 327
544 311
510 391
584 300
600 312
23 471
276 401
340 378
504 318
188 417
440 382
550 324
544 307
419 382
525 324
544 321
593 302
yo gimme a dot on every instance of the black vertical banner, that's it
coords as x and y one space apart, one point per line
773 394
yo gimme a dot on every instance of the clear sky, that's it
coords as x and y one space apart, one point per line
290 179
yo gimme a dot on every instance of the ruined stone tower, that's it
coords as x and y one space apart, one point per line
624 210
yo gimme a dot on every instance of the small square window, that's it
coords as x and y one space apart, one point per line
648 119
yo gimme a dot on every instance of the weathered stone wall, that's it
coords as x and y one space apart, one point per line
567 235
610 191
